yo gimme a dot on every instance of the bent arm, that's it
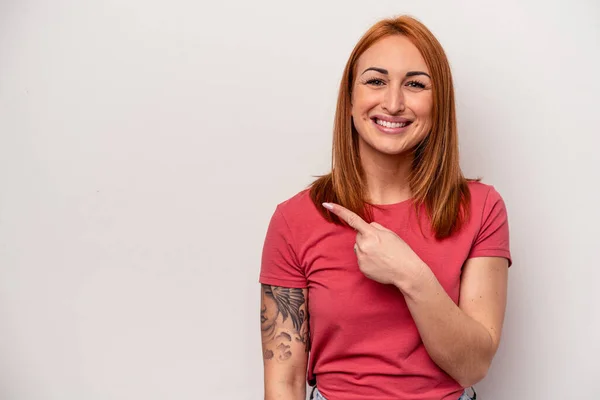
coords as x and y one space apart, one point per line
463 339
285 341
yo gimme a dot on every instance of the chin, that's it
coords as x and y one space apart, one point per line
392 147
391 150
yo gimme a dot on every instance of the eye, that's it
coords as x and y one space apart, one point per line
415 84
375 82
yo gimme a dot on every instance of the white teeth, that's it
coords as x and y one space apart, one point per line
391 124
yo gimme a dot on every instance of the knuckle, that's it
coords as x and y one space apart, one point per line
366 246
371 237
352 221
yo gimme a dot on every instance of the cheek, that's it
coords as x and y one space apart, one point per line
422 106
271 306
423 110
363 102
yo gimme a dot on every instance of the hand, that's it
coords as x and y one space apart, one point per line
382 255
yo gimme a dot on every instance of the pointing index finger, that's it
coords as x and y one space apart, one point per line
351 218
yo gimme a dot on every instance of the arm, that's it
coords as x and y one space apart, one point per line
285 342
463 339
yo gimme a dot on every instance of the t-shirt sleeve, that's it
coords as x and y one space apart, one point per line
493 237
280 265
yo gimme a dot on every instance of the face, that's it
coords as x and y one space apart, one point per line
391 97
268 313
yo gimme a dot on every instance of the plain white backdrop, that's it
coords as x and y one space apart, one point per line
145 144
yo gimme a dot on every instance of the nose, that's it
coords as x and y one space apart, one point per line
393 101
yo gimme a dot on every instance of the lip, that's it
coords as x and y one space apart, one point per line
389 118
392 131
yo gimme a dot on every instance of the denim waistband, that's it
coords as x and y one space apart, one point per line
316 395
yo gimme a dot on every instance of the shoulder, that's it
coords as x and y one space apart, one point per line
298 209
298 219
488 210
483 195
489 222
298 202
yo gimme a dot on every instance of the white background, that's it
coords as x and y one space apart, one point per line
144 145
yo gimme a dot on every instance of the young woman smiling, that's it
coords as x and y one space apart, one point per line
387 277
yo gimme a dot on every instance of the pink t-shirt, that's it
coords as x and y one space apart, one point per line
365 344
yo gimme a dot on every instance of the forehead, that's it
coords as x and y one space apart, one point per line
395 53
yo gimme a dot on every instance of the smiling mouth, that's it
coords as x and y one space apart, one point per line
392 125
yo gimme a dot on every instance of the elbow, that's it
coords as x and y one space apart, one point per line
474 375
285 391
478 368
285 387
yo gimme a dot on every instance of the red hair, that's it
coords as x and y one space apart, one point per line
436 180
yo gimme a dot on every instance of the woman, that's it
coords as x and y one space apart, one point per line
394 265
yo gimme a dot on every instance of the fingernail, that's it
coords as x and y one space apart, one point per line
328 206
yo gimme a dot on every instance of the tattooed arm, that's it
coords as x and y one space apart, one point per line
285 341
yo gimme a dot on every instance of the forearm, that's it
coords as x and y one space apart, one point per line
457 343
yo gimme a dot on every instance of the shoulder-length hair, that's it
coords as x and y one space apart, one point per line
436 180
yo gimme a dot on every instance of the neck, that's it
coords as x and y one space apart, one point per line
387 176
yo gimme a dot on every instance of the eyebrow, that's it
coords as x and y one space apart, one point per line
386 72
